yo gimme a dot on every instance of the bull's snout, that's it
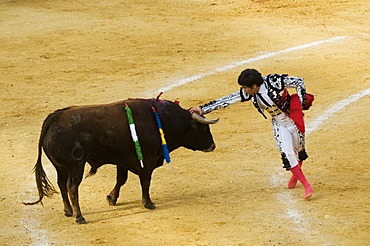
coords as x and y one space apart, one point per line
211 148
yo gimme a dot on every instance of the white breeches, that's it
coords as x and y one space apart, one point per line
286 137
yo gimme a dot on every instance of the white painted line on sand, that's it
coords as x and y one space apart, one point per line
293 214
316 123
174 84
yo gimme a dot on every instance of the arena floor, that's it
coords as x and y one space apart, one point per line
56 54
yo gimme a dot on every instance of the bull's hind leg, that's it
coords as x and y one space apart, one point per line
122 174
74 180
62 183
145 184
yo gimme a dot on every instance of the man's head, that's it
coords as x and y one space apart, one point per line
250 79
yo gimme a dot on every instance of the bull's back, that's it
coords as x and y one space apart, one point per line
84 131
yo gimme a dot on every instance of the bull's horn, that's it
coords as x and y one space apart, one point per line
203 120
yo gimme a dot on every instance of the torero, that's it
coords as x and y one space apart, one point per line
269 94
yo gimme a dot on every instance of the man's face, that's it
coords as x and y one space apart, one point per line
251 90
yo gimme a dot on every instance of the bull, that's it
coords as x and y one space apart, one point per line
100 134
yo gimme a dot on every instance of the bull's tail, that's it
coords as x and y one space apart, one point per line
44 186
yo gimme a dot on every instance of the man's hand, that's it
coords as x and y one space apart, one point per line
196 110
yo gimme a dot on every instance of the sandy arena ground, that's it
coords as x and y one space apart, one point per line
55 54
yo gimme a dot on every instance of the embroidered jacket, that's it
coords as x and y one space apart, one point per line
276 85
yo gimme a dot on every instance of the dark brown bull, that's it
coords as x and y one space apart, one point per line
100 134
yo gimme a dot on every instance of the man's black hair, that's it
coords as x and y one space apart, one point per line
249 77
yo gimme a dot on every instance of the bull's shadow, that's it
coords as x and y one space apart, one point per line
120 210
165 201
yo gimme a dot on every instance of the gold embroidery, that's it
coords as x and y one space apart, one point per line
274 110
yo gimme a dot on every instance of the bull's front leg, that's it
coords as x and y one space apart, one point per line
122 174
145 184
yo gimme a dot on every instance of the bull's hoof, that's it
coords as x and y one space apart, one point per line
150 205
111 200
68 213
81 220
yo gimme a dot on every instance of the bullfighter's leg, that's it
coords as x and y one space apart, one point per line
297 115
122 174
145 184
290 146
293 179
74 180
62 183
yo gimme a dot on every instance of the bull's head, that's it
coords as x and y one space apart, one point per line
199 136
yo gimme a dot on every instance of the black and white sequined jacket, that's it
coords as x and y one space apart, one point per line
276 85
